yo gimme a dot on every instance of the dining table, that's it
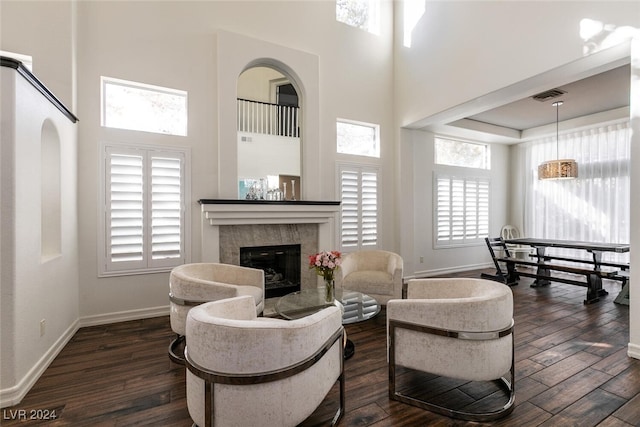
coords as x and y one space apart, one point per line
594 259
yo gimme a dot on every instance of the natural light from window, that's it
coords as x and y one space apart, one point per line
598 36
361 139
413 11
363 14
463 154
141 107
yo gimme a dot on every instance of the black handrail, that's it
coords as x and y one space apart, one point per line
24 72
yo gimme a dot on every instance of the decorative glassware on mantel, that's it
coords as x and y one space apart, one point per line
325 263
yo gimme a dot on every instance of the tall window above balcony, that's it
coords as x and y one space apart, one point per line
142 107
464 154
358 138
363 14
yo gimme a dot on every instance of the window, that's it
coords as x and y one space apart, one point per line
595 207
363 14
463 154
462 210
142 107
145 216
362 139
359 208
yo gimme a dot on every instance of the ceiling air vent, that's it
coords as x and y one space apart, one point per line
549 94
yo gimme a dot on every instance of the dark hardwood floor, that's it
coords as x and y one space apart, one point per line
572 369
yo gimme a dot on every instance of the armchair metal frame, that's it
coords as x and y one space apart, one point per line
174 345
211 378
507 384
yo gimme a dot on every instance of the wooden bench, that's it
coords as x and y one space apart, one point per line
623 296
621 275
543 276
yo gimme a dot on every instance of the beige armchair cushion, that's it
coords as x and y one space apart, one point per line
375 273
457 328
461 304
210 282
227 337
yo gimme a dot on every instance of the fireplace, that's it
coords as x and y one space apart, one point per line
229 225
281 265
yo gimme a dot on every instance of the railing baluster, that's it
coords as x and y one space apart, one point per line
267 118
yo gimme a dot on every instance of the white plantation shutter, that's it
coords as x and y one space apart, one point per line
166 208
359 208
350 209
369 203
125 209
144 210
462 210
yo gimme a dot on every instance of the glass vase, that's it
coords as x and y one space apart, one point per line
329 290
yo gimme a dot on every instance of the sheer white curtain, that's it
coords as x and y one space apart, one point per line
595 206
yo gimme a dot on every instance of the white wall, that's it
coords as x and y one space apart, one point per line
39 283
464 52
461 50
186 45
634 295
418 148
202 47
36 287
264 155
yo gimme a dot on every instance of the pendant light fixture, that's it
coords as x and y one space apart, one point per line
559 168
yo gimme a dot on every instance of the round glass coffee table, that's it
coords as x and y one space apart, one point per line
355 306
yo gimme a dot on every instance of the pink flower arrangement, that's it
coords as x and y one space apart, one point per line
325 263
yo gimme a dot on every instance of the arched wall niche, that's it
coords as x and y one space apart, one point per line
235 54
270 103
51 197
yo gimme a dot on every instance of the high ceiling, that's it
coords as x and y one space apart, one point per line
601 92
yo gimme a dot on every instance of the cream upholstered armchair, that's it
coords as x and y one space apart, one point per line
373 272
457 328
194 284
244 370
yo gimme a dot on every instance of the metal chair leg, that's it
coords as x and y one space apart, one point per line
175 353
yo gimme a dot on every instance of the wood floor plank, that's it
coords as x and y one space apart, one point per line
627 384
565 368
630 411
571 369
563 394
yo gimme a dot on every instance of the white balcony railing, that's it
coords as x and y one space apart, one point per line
269 119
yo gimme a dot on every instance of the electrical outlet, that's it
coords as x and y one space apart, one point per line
421 260
43 324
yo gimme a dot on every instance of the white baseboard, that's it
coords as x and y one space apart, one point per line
448 270
633 350
14 395
124 316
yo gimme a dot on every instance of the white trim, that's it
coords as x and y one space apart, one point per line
104 81
102 267
464 242
633 351
14 395
124 316
216 215
359 169
377 138
448 270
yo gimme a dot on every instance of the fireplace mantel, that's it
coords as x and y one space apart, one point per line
218 213
246 212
